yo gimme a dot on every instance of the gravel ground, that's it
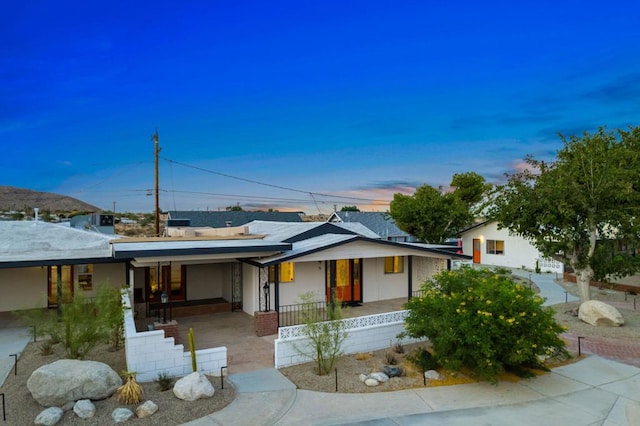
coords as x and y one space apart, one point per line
349 368
22 409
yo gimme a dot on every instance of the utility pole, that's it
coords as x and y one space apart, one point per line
157 213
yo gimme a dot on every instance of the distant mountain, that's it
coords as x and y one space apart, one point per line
19 199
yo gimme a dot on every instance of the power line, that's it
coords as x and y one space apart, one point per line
268 184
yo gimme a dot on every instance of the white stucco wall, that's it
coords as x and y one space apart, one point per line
206 281
308 277
23 288
518 252
26 288
249 288
376 285
113 274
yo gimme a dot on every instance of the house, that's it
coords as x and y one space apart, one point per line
488 245
380 223
259 269
344 261
40 262
221 219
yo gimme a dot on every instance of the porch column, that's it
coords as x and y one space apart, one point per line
332 282
59 289
130 277
276 292
410 272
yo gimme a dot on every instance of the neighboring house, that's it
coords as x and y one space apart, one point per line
221 219
380 223
488 245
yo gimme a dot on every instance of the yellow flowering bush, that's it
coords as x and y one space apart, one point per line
483 320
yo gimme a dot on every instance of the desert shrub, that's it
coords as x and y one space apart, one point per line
47 348
485 321
390 358
80 329
324 338
81 324
422 358
398 348
110 313
164 381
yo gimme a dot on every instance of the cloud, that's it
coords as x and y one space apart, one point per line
622 89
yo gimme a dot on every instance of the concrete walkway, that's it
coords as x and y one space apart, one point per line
593 391
12 341
549 290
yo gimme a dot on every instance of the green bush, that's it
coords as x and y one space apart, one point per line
82 324
325 338
482 320
110 312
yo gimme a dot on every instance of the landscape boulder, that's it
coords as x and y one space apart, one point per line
84 408
392 371
371 382
193 387
68 380
595 312
49 417
432 375
147 409
121 415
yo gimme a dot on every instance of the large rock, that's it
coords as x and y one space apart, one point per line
193 387
67 380
84 408
595 312
121 415
147 409
49 417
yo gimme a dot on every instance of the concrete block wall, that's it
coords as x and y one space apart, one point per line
149 353
363 339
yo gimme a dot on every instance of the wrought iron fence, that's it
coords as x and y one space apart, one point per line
301 313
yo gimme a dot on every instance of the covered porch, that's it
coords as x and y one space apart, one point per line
236 331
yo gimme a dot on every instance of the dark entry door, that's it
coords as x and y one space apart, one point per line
347 280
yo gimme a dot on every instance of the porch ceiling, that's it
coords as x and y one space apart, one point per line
197 259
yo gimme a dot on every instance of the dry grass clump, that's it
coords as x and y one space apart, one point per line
131 392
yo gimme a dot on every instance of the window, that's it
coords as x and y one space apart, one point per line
286 273
66 284
394 265
84 275
495 247
170 277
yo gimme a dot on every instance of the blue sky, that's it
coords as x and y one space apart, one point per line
301 105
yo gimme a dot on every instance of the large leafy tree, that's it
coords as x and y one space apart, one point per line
432 214
583 208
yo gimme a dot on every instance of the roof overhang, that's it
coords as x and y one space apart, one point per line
307 251
202 251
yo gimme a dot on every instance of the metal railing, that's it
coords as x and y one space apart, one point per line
302 312
417 293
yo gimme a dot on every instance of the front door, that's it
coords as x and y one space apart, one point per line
347 280
476 250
